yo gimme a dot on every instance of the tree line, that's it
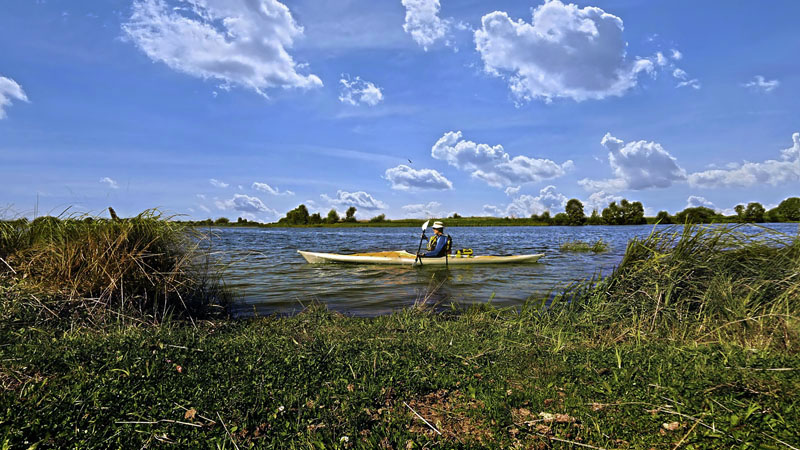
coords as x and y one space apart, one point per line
624 212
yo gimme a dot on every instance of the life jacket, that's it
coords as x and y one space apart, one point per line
435 238
465 253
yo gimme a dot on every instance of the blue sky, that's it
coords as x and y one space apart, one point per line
235 108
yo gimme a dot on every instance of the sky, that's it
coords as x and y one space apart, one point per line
409 108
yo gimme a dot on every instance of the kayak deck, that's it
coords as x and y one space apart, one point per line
402 257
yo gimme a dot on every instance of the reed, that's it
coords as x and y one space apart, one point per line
598 246
142 266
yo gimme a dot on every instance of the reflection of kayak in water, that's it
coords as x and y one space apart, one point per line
404 258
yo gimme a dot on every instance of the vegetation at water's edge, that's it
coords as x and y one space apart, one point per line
598 246
691 342
145 266
622 213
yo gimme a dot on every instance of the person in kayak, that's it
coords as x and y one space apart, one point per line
439 244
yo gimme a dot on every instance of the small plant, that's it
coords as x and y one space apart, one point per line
599 246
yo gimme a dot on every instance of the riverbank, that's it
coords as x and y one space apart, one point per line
691 342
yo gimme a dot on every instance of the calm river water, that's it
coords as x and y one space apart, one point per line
269 276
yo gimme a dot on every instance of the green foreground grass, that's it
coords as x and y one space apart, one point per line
692 342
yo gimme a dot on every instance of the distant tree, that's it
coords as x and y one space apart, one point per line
545 217
455 216
574 210
698 214
350 214
561 219
594 219
241 221
739 212
379 218
789 210
333 216
754 212
297 216
663 218
314 219
612 214
774 216
222 221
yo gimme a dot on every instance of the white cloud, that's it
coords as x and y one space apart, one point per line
760 84
109 182
423 210
238 42
599 200
523 206
680 74
423 22
564 52
404 178
694 201
358 92
636 165
264 187
512 190
676 55
244 203
773 172
217 183
204 208
358 199
9 90
492 164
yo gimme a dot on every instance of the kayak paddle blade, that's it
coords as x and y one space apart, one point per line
425 225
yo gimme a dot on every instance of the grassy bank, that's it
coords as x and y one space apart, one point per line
691 343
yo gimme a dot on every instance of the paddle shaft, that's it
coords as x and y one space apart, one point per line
421 238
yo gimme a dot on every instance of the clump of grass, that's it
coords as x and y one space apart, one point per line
143 266
598 246
697 282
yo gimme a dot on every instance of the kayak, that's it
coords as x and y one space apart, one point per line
402 257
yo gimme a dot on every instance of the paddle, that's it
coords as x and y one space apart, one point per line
421 238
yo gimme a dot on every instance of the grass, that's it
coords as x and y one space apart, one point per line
692 342
599 246
146 265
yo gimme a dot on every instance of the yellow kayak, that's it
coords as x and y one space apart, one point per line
403 257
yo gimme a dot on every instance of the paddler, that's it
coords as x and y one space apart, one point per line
439 245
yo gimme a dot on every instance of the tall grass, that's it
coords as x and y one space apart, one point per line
598 246
142 266
701 283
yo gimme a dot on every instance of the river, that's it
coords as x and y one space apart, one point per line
269 276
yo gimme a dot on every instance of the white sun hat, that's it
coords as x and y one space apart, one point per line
437 225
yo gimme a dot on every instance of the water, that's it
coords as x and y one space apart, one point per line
269 276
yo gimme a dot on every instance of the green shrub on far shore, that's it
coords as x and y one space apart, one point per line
598 246
145 266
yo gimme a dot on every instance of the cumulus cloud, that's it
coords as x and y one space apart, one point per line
244 203
676 55
217 183
695 200
238 42
549 199
404 178
492 164
423 210
636 165
760 84
360 200
599 200
423 22
359 92
9 90
564 52
109 182
512 190
264 187
773 172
